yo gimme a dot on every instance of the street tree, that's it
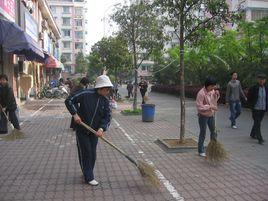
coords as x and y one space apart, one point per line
140 27
81 63
253 37
187 17
95 66
113 55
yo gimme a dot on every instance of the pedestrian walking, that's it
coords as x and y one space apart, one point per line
206 102
258 101
8 101
130 89
233 94
115 90
83 84
93 110
69 83
143 88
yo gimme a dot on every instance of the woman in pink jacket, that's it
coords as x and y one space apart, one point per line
206 102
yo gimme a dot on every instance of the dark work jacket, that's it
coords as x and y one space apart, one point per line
93 109
75 89
7 98
143 86
253 94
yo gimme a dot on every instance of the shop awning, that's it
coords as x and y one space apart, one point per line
51 62
14 40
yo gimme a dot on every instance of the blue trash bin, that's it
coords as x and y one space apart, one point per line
148 111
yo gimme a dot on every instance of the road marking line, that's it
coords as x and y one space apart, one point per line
160 176
36 112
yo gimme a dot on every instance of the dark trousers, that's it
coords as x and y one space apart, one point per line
203 123
87 146
130 93
257 116
3 123
73 124
14 119
235 109
142 95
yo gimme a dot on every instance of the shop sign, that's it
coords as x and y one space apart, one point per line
31 27
7 9
46 42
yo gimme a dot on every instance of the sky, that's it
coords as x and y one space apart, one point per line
97 10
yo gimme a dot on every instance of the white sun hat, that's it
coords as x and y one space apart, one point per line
103 81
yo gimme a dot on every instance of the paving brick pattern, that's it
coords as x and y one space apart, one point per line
45 166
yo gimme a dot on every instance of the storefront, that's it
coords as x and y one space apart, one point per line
53 68
13 40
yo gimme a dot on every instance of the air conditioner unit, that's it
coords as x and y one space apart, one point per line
44 24
41 36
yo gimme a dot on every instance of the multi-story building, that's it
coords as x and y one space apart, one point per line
28 39
254 9
70 17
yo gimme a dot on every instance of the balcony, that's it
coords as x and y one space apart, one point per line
66 26
65 14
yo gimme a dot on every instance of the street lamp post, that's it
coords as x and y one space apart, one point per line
104 13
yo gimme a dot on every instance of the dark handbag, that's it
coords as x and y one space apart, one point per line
3 123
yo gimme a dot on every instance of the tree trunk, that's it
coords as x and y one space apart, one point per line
261 47
181 74
136 78
134 65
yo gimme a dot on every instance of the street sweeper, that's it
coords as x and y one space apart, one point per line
93 118
91 107
206 102
8 105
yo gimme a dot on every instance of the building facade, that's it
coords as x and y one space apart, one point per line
24 48
254 9
70 17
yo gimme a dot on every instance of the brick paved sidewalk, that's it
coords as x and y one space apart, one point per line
45 165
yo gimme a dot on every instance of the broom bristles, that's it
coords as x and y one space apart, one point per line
14 135
148 172
215 152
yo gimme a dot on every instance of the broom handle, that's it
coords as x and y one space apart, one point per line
110 143
4 112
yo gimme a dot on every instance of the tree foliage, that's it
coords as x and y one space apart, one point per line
244 50
81 63
187 18
140 27
111 54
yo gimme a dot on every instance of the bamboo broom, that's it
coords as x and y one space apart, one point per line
215 152
15 133
146 170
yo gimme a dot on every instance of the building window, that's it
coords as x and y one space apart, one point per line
66 44
67 56
78 11
79 23
67 68
144 68
258 14
78 46
66 21
66 9
53 9
66 32
79 34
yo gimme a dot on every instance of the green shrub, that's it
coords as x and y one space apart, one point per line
131 112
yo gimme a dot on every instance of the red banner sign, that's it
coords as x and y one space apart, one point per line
7 8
